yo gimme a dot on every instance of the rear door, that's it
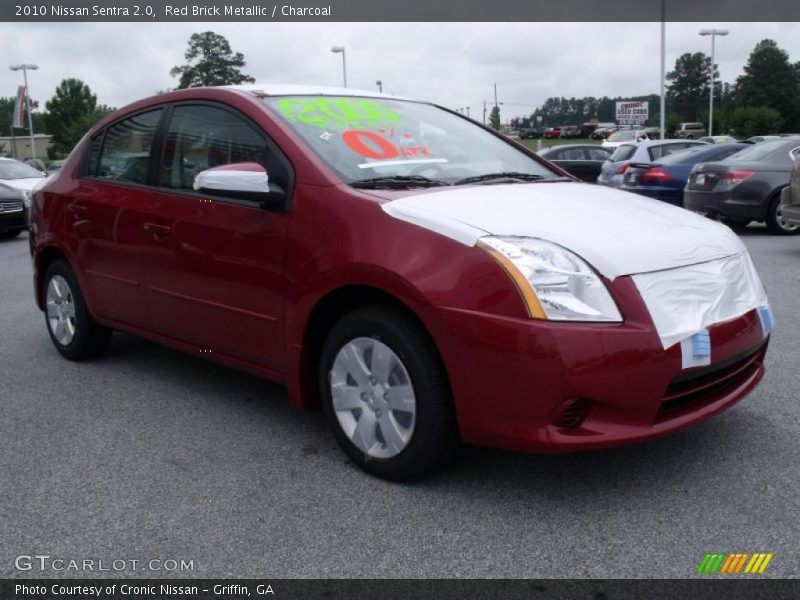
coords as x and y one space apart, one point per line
214 265
104 217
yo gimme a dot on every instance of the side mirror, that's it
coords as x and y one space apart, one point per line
241 181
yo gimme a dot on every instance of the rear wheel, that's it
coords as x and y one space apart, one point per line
775 221
386 395
74 332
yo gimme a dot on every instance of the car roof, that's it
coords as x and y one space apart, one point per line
292 89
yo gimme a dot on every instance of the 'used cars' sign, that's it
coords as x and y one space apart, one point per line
632 113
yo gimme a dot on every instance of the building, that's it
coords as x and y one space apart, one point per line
20 146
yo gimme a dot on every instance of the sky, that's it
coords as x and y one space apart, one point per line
453 64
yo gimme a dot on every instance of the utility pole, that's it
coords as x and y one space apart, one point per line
13 138
495 94
484 112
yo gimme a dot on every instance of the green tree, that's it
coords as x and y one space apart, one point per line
73 132
72 105
210 62
687 91
747 121
769 79
494 118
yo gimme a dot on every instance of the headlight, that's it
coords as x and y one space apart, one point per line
555 283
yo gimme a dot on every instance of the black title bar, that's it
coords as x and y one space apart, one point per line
405 589
149 11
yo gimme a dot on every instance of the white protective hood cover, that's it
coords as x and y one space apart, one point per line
616 232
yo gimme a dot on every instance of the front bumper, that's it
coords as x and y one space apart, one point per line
511 376
13 220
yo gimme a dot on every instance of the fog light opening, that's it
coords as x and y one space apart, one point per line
571 413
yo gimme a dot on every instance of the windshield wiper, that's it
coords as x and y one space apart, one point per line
512 175
397 181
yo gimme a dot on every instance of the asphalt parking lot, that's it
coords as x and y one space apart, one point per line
153 454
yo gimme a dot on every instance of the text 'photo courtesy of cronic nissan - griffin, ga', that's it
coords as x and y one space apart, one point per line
421 278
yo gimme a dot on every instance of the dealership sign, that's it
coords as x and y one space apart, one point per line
632 113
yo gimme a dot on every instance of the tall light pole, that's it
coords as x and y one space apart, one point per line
336 50
24 68
713 33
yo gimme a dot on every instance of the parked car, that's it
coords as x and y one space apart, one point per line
623 136
570 132
420 277
584 161
665 178
718 139
747 186
22 177
532 134
54 166
790 197
628 153
13 212
690 131
552 133
603 130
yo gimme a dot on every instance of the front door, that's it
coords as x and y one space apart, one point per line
214 266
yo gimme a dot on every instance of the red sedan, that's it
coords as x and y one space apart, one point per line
419 277
552 133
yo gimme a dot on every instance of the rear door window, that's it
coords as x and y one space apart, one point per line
126 148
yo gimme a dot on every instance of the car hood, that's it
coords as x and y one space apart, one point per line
23 184
617 232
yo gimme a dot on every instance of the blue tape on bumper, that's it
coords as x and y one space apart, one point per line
701 344
767 319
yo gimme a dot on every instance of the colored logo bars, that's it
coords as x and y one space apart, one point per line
735 563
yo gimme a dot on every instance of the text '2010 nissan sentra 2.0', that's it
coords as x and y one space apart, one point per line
421 278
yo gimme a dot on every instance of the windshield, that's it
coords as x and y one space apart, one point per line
12 169
377 138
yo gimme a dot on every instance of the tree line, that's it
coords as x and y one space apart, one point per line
765 98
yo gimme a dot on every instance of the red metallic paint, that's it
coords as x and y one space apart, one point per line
244 282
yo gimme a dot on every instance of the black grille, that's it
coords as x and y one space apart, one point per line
8 206
702 386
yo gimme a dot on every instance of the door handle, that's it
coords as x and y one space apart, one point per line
76 209
157 230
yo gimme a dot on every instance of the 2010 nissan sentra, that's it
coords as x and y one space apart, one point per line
421 278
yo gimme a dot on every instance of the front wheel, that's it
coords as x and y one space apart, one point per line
74 332
386 394
775 222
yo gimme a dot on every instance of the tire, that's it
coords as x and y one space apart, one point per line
9 235
73 331
735 224
690 137
399 444
775 222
